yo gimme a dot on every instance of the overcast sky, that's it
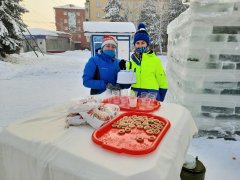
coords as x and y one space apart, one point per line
41 12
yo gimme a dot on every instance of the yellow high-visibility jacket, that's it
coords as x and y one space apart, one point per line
150 75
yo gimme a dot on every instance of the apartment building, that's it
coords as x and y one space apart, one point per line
69 18
94 9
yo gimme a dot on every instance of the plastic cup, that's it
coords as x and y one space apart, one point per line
116 97
116 100
152 96
124 100
144 94
132 101
145 102
124 92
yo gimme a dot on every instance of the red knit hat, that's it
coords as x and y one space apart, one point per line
109 40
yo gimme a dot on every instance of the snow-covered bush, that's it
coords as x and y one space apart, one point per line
112 10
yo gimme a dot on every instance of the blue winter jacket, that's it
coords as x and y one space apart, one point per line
108 69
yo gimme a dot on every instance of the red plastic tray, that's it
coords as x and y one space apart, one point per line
109 138
140 108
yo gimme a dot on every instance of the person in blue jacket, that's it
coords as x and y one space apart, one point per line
101 70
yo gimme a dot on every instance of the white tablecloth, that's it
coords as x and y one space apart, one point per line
40 148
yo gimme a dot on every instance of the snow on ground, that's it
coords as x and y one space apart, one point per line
29 84
34 84
220 157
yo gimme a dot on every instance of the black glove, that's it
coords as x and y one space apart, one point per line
111 87
117 87
122 64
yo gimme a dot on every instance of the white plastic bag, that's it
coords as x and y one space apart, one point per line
90 111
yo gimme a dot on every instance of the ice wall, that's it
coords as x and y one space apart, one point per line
203 66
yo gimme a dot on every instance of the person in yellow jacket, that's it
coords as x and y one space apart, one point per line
150 75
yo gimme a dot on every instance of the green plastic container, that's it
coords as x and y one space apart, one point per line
197 173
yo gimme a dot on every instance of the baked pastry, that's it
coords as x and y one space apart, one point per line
151 138
140 139
121 131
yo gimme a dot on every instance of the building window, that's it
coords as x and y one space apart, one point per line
98 15
78 13
79 28
72 22
97 3
78 21
64 13
79 36
66 28
65 21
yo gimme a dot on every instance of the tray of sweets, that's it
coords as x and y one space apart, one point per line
143 105
135 133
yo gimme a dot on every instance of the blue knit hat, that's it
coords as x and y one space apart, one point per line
141 34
